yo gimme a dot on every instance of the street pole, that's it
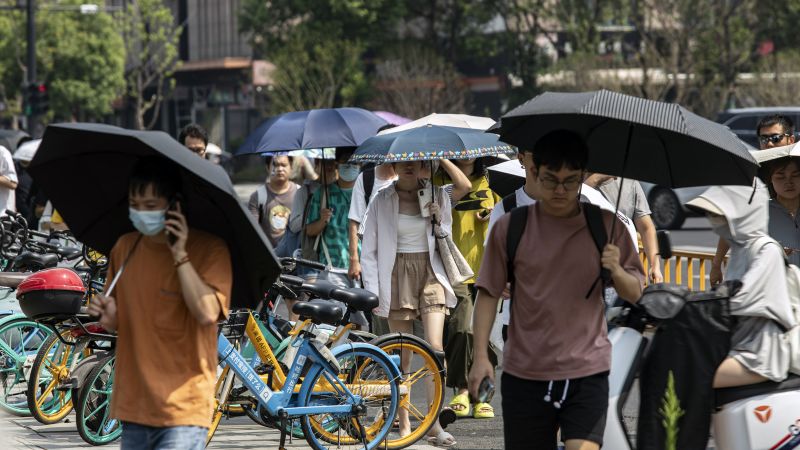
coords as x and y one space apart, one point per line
33 124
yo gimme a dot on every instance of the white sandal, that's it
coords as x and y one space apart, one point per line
443 439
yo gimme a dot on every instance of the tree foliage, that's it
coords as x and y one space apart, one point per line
80 57
151 43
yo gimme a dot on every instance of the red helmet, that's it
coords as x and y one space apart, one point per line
58 279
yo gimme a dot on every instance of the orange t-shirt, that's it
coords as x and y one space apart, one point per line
166 363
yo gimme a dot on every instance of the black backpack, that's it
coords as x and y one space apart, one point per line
516 227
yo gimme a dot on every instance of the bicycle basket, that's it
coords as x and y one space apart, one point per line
233 328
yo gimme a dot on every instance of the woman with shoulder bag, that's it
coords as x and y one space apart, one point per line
401 265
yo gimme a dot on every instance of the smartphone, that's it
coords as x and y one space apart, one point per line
485 391
425 197
173 206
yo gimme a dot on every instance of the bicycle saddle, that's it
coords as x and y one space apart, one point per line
12 279
358 299
319 288
26 259
69 253
319 312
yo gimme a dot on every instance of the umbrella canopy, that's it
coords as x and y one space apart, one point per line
315 153
506 177
27 150
771 154
659 142
317 128
445 120
428 143
84 170
392 118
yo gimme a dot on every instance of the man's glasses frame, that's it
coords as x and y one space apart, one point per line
772 138
569 185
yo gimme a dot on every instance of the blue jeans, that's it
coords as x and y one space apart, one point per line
142 437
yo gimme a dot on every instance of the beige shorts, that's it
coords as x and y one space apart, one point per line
415 289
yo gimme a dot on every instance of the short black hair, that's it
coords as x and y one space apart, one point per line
193 130
776 119
157 172
343 154
269 159
561 148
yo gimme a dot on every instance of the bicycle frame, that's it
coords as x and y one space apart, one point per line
277 402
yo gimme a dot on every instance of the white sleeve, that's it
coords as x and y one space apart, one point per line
358 205
496 214
7 168
369 249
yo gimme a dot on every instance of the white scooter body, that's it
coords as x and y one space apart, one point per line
763 422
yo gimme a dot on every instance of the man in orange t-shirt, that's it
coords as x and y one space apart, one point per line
165 309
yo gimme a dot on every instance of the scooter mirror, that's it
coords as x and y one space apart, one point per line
664 244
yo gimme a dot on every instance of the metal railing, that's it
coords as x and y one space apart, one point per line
687 268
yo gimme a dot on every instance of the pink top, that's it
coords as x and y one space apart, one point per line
555 333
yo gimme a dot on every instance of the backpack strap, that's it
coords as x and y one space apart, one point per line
516 227
261 192
597 228
510 202
369 183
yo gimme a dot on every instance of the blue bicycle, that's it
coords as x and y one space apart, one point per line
345 397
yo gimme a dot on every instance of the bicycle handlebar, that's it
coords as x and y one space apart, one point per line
291 280
303 262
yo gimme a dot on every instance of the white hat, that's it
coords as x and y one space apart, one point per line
704 205
27 150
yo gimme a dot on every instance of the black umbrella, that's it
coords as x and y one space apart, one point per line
84 170
506 177
631 137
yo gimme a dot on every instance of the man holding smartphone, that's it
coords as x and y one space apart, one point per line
174 284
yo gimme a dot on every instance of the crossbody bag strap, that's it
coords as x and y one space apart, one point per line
122 267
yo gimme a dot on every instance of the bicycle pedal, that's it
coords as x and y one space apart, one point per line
236 392
264 369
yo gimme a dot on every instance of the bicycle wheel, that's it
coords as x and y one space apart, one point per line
422 386
23 338
93 410
48 401
369 376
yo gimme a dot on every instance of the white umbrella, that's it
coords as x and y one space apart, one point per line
27 150
445 120
770 154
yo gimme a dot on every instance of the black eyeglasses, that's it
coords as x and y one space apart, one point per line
772 138
552 184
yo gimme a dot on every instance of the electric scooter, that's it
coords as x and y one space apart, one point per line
754 417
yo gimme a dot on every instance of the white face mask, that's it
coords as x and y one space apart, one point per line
348 172
149 223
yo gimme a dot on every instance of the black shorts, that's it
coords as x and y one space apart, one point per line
530 422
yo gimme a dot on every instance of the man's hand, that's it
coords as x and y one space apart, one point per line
326 214
610 259
483 214
354 272
655 275
481 368
715 277
106 309
177 227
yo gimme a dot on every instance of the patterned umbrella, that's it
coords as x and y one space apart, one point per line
429 143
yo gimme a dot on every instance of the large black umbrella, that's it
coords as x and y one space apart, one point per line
631 137
84 170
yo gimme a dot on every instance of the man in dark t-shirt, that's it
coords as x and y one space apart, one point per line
557 357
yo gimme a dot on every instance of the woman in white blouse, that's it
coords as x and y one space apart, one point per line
401 265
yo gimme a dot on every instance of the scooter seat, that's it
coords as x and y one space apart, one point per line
319 312
723 396
358 299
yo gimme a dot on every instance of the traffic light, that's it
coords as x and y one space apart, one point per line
36 99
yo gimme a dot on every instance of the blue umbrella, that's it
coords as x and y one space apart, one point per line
317 128
430 142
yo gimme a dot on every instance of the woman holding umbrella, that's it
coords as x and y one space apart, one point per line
400 263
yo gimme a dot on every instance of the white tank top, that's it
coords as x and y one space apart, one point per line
411 236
